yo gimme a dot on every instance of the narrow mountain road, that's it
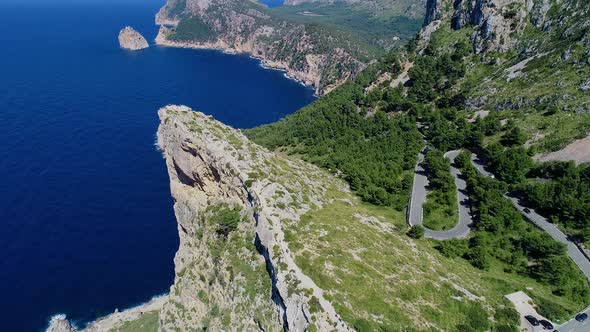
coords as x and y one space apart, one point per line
573 251
418 196
574 326
414 215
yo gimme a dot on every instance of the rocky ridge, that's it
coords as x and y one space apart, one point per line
211 166
132 40
498 23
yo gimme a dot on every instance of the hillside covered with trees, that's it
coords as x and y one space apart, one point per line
505 102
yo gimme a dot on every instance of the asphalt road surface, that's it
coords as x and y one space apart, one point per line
573 251
419 191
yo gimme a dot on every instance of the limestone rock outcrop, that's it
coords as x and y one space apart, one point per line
132 40
243 275
498 22
59 323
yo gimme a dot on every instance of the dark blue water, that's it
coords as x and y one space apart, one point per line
273 3
85 210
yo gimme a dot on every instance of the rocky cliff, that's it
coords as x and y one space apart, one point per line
233 267
132 40
498 23
271 243
313 56
59 323
529 53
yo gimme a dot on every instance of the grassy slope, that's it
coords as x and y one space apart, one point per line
353 255
148 322
379 278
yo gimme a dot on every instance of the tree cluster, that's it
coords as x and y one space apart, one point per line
373 152
502 237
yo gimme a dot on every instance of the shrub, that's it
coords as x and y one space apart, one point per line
552 311
227 220
416 232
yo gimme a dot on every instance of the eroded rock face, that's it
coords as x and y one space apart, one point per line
59 323
132 40
498 22
432 11
244 280
239 28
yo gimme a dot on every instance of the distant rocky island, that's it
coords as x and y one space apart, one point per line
132 40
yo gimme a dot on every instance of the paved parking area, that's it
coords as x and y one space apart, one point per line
524 305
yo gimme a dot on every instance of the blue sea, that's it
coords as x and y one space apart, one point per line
86 215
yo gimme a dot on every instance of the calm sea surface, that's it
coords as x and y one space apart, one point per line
85 210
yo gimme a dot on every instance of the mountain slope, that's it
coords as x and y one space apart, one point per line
332 262
503 78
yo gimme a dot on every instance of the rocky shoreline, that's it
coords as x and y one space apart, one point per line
310 78
59 323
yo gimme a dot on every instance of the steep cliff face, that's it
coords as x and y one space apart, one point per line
313 56
233 267
498 23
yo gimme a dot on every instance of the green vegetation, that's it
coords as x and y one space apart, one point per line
367 25
227 220
416 232
375 153
192 29
502 239
561 190
434 73
440 208
148 322
511 253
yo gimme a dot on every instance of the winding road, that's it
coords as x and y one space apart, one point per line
419 191
463 227
573 251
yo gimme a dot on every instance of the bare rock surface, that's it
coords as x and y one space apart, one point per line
59 323
577 151
211 166
132 40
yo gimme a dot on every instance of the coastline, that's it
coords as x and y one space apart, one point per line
109 322
114 320
307 79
